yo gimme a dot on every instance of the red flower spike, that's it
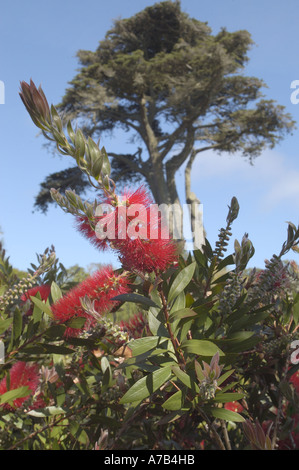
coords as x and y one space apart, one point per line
147 255
21 374
138 250
100 288
133 230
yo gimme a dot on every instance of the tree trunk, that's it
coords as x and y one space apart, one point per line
167 199
195 208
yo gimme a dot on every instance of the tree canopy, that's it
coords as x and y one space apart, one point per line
178 89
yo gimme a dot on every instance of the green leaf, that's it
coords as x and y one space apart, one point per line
71 131
201 347
200 258
181 281
37 314
12 395
107 379
77 323
142 345
55 331
175 402
183 313
106 168
296 309
104 364
17 324
184 329
142 359
179 303
224 376
47 411
156 327
245 345
239 341
40 348
56 293
185 378
78 432
42 305
286 390
36 349
147 385
135 298
5 324
227 415
54 349
225 262
228 397
207 249
248 320
79 144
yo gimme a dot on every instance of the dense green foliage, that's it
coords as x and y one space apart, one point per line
152 392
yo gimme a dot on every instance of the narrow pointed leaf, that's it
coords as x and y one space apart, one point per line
12 395
181 281
136 298
147 385
56 293
175 402
227 415
201 347
42 305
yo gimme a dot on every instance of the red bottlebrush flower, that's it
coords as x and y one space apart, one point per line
83 225
44 291
116 214
234 406
100 288
21 374
143 248
135 326
135 231
147 255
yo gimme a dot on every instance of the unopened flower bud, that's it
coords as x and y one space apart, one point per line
36 104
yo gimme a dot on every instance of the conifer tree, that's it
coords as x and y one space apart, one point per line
167 80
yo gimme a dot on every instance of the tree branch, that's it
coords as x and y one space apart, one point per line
149 135
177 160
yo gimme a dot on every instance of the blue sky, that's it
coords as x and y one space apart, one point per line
39 40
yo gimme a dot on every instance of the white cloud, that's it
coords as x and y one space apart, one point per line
273 177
